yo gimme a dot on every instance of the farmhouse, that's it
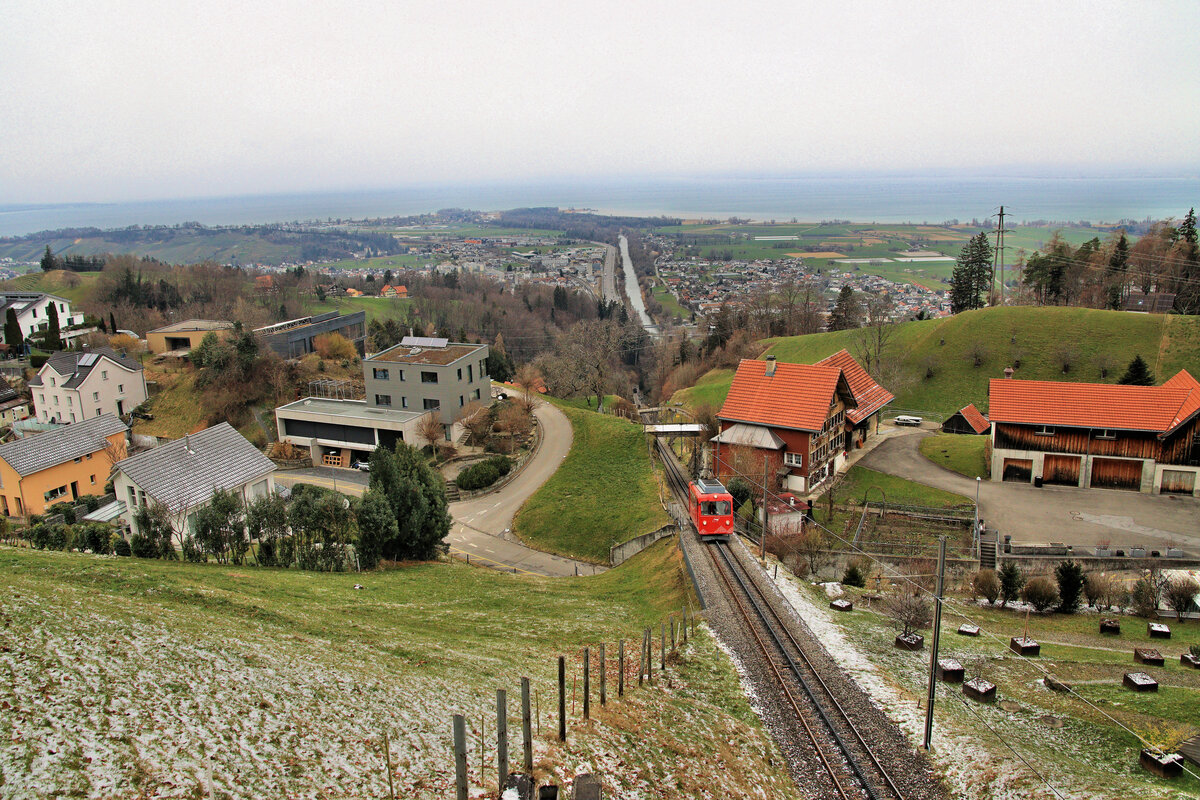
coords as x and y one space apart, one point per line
60 465
869 396
76 385
967 420
787 420
1137 438
388 290
182 475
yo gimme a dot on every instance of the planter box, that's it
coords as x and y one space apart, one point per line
841 605
1158 630
1055 685
1139 682
1189 660
1148 656
1103 552
1168 765
1025 647
968 630
1110 626
1137 552
949 670
979 689
912 641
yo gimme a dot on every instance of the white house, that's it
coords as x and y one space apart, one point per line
72 386
33 313
182 475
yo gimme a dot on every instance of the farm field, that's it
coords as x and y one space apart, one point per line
129 677
670 305
1066 738
377 308
74 286
1042 338
604 493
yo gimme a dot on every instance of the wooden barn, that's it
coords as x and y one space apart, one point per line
967 420
1136 438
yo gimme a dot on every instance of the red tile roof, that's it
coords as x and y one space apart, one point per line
797 396
869 395
977 421
1160 409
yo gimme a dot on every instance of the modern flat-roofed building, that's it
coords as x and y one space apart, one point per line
180 337
427 374
295 337
339 433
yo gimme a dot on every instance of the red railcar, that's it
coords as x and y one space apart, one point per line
711 509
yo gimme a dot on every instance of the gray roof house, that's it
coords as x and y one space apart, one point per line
182 475
77 384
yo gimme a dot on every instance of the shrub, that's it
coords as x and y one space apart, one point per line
1040 592
1195 650
285 550
853 576
334 347
120 546
477 476
1095 588
1069 576
1144 598
986 584
94 536
741 492
1180 593
1011 581
192 552
143 547
266 553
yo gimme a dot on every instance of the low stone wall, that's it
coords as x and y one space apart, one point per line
518 465
620 553
292 463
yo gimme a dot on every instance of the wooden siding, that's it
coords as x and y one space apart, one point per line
1061 470
1180 448
1111 473
1178 481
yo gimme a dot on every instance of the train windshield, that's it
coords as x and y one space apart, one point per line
715 508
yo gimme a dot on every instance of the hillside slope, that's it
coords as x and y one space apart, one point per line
1039 336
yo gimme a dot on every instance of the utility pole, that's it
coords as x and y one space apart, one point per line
933 653
999 257
766 474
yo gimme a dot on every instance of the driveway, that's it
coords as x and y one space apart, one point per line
1081 517
481 531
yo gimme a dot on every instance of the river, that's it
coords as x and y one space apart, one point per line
633 290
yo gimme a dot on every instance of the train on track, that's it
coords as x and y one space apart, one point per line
711 509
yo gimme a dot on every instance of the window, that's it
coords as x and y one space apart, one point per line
55 493
120 387
431 405
55 399
462 401
476 394
52 383
141 497
132 498
793 459
95 397
404 402
1044 430
104 374
1105 433
383 400
460 373
78 460
93 477
88 456
470 373
70 400
380 374
97 412
715 508
401 373
429 377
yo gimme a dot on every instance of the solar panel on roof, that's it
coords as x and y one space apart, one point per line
423 341
87 359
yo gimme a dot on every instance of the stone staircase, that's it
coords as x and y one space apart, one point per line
987 549
452 492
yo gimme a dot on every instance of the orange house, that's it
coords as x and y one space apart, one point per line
394 291
59 466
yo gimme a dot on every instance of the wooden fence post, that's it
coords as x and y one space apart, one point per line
603 678
587 683
683 623
460 756
501 739
662 645
621 674
526 727
672 632
562 699
387 757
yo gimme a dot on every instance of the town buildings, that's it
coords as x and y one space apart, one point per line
182 475
60 465
1138 438
76 385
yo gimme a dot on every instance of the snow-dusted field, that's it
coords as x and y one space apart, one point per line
132 693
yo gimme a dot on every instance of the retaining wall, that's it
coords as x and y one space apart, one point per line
620 553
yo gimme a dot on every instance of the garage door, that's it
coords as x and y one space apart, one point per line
1018 469
1061 470
1113 473
1178 481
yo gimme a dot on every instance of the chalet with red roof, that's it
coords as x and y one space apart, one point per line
869 396
389 290
1138 438
967 420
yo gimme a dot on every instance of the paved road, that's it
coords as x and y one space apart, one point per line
634 290
1082 517
608 280
481 525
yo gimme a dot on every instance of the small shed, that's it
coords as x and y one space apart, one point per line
967 420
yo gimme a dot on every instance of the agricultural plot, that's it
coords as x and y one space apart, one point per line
1086 741
146 678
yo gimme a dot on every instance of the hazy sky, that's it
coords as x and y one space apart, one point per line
124 100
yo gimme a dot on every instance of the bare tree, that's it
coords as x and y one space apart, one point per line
430 429
1180 594
872 342
812 545
528 378
911 610
476 418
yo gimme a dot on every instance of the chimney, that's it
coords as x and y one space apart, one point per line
1008 373
770 366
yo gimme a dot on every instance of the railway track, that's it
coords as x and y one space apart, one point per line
850 767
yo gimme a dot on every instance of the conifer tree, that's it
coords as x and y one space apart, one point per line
49 261
12 332
1118 263
1138 374
971 280
847 313
53 332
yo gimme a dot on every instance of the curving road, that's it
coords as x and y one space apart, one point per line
481 528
